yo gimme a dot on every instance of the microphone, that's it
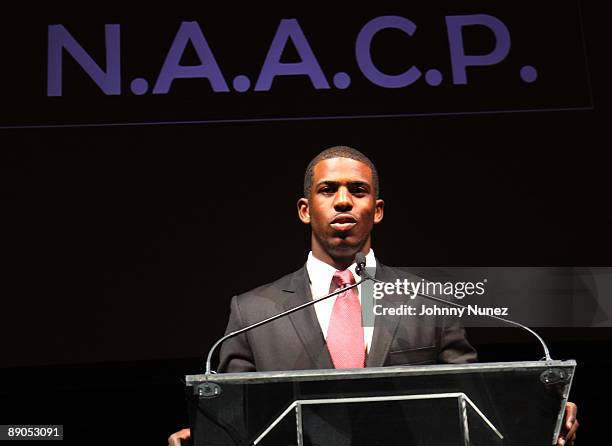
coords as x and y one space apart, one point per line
359 259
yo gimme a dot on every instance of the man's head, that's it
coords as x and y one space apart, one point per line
340 204
339 152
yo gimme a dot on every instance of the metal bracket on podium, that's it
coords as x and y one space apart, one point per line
462 401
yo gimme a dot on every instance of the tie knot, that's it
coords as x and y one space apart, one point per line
344 278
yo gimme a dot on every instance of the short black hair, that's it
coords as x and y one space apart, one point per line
338 152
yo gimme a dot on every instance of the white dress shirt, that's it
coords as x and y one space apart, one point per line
321 274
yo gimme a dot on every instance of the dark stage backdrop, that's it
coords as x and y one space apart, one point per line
128 243
140 195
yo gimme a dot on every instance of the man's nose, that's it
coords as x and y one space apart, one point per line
343 200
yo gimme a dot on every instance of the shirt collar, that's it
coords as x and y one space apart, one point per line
321 274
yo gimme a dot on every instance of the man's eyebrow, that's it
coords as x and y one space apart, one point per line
350 183
328 183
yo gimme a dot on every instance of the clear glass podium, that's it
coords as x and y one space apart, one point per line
435 405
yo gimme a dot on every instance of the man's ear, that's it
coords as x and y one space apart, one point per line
379 211
303 210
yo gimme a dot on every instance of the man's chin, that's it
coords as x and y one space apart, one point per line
342 247
345 249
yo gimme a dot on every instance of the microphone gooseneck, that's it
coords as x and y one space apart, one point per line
360 269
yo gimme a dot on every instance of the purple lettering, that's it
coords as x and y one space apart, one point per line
364 56
460 60
172 68
109 81
272 66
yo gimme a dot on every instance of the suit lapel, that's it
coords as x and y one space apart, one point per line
307 326
305 321
384 327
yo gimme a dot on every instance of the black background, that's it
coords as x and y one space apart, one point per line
124 244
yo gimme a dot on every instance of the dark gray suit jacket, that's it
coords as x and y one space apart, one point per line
296 342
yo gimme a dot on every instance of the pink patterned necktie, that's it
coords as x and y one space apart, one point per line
345 332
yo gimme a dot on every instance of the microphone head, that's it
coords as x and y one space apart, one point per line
360 260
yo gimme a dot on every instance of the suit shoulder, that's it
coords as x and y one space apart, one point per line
390 273
274 289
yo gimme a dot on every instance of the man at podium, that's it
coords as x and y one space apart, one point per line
341 204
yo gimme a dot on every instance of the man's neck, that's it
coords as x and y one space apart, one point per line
337 263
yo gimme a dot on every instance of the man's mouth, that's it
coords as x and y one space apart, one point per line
343 223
